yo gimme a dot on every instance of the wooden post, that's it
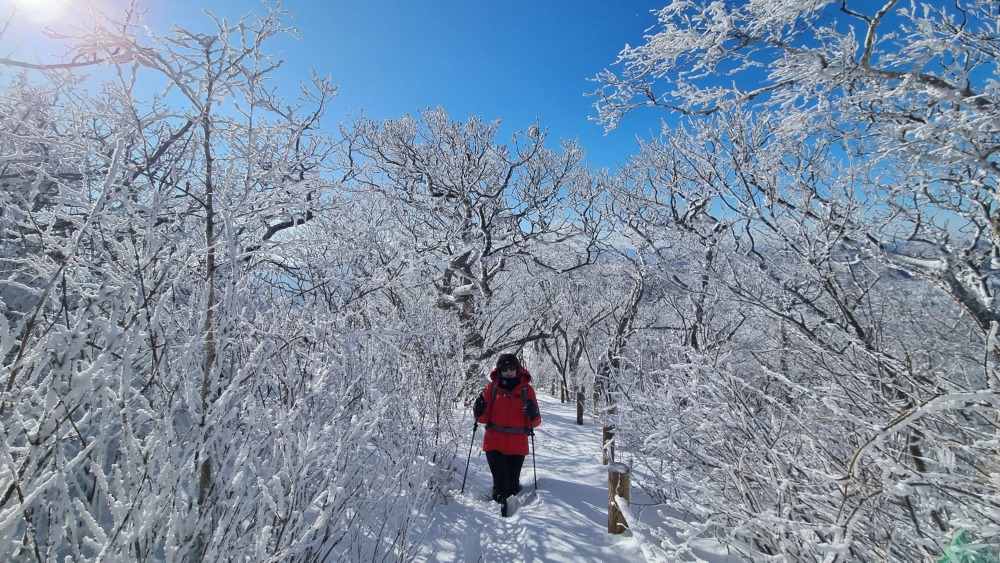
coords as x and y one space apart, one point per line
607 448
619 485
579 408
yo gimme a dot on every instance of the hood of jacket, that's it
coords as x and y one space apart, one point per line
525 375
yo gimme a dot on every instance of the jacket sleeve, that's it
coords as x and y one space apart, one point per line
485 417
531 395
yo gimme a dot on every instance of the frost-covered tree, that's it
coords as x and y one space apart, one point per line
471 209
786 307
908 89
579 303
848 154
176 386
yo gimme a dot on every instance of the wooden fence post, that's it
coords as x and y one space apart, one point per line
579 408
619 485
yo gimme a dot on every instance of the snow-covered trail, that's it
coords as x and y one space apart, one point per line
566 522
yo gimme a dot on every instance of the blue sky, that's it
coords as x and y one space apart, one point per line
517 60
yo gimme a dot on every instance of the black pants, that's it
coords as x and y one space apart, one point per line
506 470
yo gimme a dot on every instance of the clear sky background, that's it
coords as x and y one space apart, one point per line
520 61
517 60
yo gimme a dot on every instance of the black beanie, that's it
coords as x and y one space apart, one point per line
507 360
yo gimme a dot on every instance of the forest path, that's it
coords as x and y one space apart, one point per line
567 522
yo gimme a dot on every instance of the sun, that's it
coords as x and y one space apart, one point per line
40 11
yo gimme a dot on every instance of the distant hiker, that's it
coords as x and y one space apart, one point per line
509 410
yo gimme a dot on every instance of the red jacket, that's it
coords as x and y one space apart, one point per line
504 417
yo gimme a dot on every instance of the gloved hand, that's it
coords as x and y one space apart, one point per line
479 407
531 409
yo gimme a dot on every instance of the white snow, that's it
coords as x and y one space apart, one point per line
567 522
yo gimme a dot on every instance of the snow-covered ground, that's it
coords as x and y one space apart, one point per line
565 522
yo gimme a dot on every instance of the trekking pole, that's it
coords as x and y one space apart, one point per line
530 432
475 426
534 470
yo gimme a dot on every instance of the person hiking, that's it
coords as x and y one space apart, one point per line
509 409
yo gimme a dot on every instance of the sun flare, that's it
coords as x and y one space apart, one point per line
40 11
